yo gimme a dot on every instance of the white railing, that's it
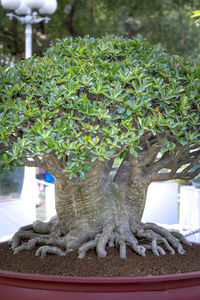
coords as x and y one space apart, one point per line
189 212
50 210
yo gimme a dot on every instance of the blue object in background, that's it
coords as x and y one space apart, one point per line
49 177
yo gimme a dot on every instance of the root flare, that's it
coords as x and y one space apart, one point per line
138 236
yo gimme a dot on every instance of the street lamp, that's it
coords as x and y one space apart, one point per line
29 12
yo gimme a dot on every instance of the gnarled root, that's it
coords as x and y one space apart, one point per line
138 236
38 233
155 235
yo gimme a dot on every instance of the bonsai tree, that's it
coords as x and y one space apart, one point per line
74 112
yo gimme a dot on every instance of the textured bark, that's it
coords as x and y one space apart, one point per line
97 211
80 205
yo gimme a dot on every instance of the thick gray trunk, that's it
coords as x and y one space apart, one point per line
135 198
81 206
92 206
96 212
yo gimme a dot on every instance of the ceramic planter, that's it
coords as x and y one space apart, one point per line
21 286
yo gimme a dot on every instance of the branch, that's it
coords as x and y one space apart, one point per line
11 142
29 163
53 164
179 175
34 162
190 159
151 144
124 171
92 175
4 148
169 160
149 156
106 171
194 161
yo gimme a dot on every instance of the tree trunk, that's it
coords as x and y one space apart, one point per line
81 206
92 205
97 212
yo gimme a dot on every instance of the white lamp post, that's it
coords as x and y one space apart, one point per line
28 11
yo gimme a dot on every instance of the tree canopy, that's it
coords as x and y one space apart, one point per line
90 99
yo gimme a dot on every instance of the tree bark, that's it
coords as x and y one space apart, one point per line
81 205
96 212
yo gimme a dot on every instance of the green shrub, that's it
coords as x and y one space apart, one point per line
89 99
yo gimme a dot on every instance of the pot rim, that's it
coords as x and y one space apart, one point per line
32 276
99 284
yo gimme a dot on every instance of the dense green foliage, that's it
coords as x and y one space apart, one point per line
88 98
167 23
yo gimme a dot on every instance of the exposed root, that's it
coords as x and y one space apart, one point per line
138 236
103 240
155 249
88 245
122 250
182 239
154 238
168 237
42 251
125 236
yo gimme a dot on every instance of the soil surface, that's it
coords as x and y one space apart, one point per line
110 266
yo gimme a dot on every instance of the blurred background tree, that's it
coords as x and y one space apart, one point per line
167 23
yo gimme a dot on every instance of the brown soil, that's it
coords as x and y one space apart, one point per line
110 266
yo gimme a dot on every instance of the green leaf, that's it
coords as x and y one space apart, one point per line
87 98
